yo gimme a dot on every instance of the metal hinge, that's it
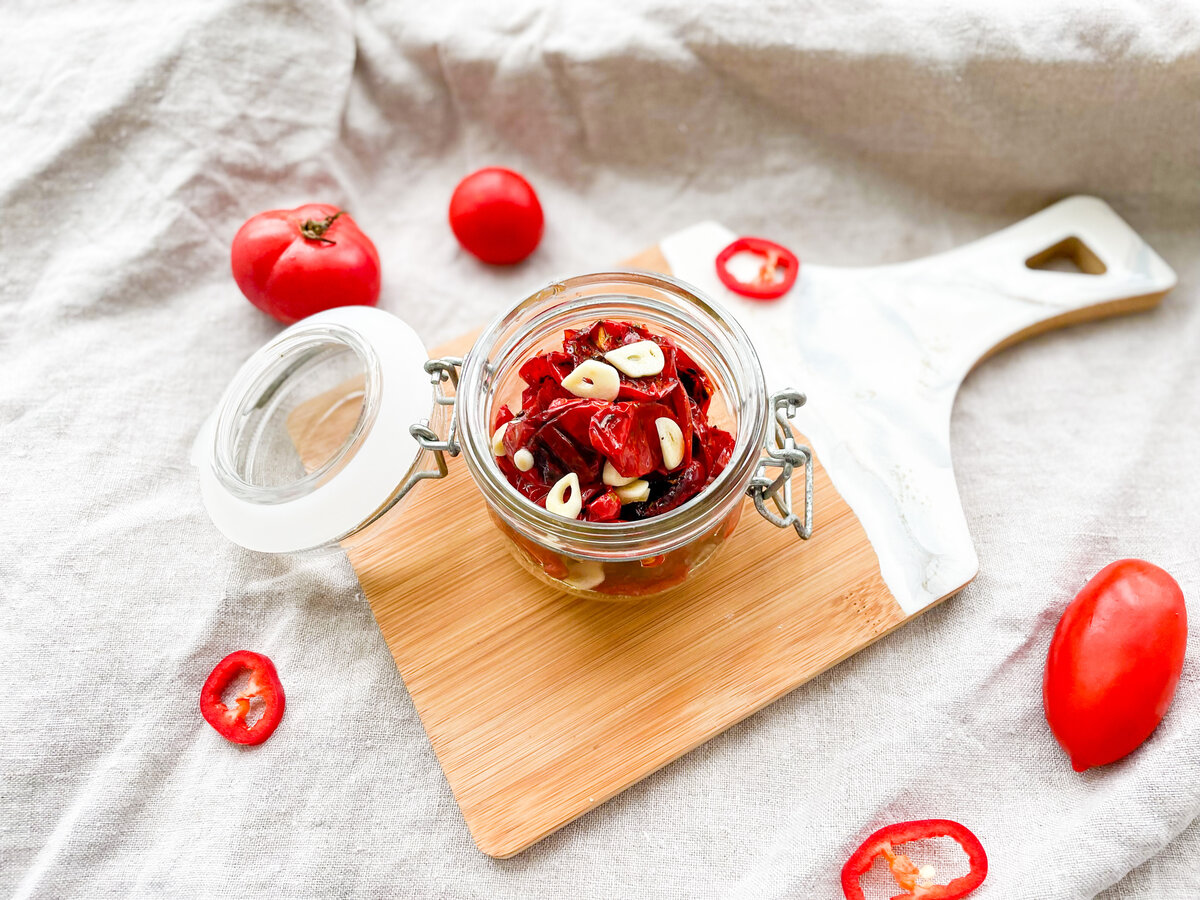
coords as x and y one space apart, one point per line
440 371
785 454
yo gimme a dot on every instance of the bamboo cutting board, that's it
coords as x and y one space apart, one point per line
541 706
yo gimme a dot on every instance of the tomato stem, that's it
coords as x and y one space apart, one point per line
314 229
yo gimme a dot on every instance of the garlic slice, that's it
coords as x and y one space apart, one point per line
670 439
637 360
523 460
559 503
498 440
612 477
593 380
634 492
584 574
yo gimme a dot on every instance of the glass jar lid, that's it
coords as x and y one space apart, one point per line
311 440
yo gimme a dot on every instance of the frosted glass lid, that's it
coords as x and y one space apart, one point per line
311 438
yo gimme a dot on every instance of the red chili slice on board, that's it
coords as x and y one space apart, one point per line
775 276
907 874
263 685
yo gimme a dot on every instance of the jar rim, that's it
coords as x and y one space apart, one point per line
706 322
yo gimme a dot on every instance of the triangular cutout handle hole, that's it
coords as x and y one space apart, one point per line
1068 255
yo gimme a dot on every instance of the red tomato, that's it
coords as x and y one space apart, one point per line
495 215
1114 662
291 263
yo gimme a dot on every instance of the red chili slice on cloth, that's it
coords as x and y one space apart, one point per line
776 274
907 874
263 686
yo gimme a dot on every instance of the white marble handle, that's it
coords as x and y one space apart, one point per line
1131 268
881 351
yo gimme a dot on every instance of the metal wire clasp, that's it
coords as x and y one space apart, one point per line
440 371
785 454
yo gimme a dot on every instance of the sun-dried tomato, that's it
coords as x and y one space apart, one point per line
605 508
626 435
567 434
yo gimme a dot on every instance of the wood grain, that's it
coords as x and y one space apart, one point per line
1121 307
540 706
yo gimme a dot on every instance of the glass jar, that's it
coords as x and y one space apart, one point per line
615 559
325 430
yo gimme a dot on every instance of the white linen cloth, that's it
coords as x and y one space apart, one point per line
137 136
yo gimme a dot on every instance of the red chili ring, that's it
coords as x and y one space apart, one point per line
264 684
883 842
764 287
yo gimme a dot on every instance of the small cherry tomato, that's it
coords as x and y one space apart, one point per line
1114 662
291 263
495 215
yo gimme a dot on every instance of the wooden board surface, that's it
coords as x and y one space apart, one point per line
540 706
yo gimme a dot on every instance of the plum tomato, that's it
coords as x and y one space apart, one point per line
291 263
496 216
1114 662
